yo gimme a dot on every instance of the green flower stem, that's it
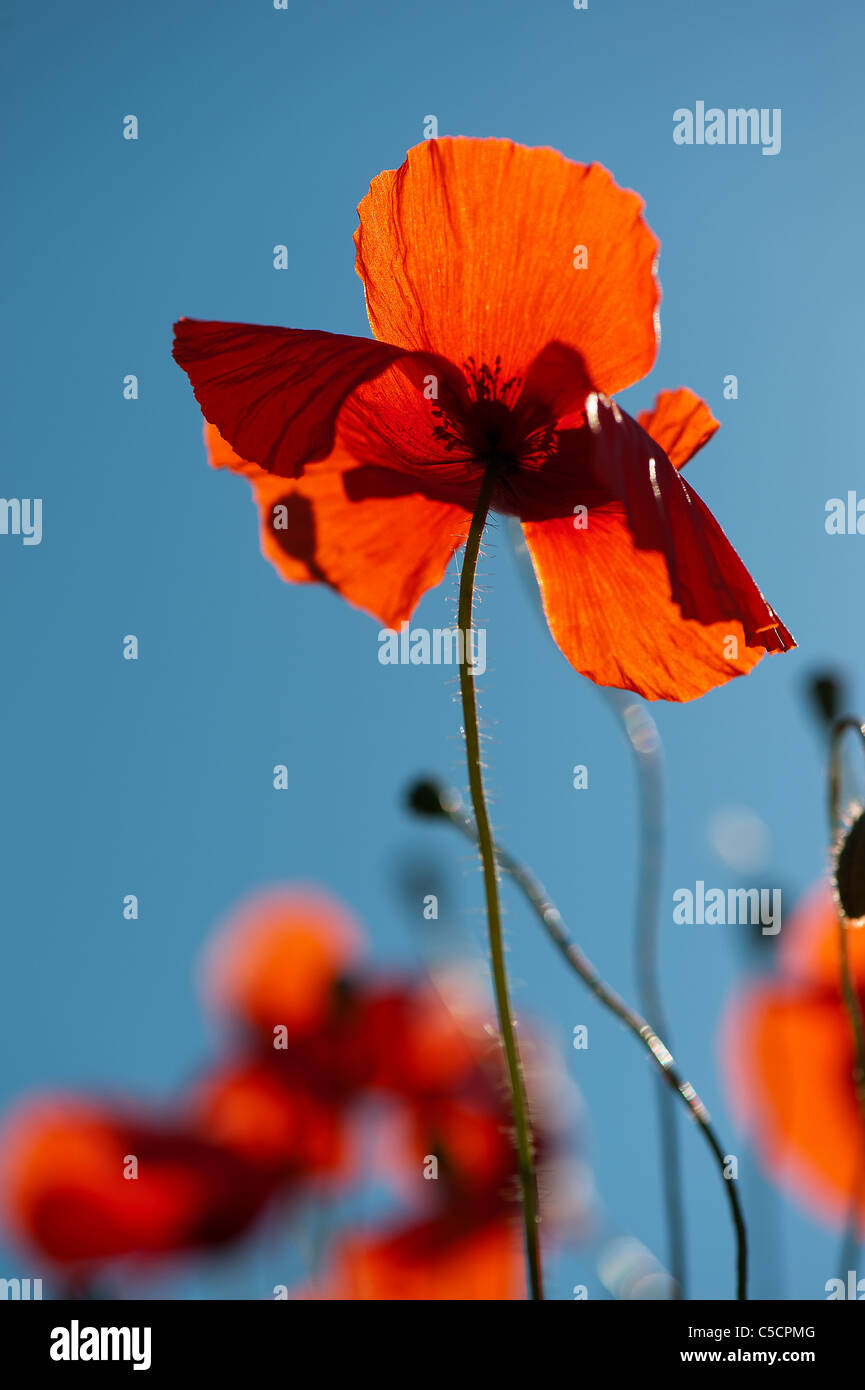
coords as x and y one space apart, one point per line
486 845
551 920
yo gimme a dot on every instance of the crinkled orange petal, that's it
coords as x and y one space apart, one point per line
788 1060
708 580
468 249
275 393
279 958
810 950
367 532
680 422
609 609
486 1264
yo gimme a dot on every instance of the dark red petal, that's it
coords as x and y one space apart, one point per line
707 579
275 393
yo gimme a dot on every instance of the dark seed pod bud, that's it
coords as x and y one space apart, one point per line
426 798
850 870
826 696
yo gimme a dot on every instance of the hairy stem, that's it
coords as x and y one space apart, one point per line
552 922
484 840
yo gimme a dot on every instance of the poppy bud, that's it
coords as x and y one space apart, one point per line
850 870
826 695
428 798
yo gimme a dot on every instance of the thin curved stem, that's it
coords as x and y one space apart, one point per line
851 999
552 922
644 741
484 840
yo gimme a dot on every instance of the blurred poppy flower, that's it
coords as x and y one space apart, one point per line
444 1259
315 1038
279 962
416 1046
284 1130
286 967
470 1138
497 345
788 1054
85 1183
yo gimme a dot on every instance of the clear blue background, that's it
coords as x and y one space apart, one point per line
260 127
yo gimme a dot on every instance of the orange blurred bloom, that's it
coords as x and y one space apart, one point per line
287 1107
445 1259
285 1131
498 343
286 967
788 1054
88 1182
279 961
84 1182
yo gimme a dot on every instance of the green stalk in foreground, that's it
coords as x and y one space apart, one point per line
484 840
429 799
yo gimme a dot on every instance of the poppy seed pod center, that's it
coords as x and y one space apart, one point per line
489 425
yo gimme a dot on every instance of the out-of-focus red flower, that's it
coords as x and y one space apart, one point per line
449 1258
287 1131
809 949
287 967
315 1037
416 1046
279 961
788 1053
67 1183
471 1138
498 343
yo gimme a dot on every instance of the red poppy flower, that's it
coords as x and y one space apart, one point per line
280 960
286 1131
415 1045
443 1259
69 1189
286 967
495 346
470 1137
788 1055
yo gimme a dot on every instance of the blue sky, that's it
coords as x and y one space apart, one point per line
260 127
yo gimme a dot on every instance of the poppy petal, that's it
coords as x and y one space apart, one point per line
428 1262
283 1128
63 1181
468 249
788 1061
707 579
275 393
279 960
810 949
367 532
609 609
680 422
